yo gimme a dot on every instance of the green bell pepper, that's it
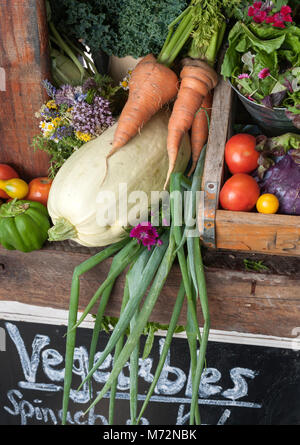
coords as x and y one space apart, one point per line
24 225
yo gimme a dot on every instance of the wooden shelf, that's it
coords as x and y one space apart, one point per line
241 301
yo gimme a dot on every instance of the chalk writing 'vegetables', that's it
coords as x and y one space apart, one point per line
173 387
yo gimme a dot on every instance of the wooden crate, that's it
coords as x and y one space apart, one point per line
243 231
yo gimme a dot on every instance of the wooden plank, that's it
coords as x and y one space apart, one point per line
214 162
218 131
24 62
270 234
256 303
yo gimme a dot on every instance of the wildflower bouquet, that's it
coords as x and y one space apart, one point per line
74 115
263 58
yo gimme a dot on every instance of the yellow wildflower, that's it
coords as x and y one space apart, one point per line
51 104
50 127
47 128
56 121
83 136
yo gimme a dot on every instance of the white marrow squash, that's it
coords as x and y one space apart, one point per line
142 164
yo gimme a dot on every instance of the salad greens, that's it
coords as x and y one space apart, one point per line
263 62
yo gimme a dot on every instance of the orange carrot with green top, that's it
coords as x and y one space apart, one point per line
197 80
151 86
199 132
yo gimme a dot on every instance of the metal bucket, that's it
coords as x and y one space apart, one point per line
273 122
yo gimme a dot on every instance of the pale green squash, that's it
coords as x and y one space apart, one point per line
142 164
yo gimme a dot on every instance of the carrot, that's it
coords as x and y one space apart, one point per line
151 86
199 132
197 80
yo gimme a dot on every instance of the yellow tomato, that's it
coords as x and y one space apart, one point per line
15 187
267 203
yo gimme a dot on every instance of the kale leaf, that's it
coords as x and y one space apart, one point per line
118 27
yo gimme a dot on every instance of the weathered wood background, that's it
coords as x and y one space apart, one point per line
24 63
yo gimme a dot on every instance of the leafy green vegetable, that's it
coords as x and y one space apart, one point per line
119 28
263 62
199 31
272 147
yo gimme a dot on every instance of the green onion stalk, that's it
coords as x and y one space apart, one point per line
145 275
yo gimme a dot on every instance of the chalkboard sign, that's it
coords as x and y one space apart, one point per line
242 384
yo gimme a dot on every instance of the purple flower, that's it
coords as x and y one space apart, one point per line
65 95
69 95
265 72
62 132
92 118
49 113
89 84
50 89
243 76
146 234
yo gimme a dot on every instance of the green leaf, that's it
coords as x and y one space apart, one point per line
149 342
232 57
264 45
242 45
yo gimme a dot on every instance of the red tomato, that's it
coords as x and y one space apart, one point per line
239 193
39 190
6 172
240 153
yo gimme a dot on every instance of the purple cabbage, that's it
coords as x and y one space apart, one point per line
283 180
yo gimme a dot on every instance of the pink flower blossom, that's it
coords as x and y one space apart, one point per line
243 76
278 24
146 234
270 19
258 15
279 18
285 10
265 72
